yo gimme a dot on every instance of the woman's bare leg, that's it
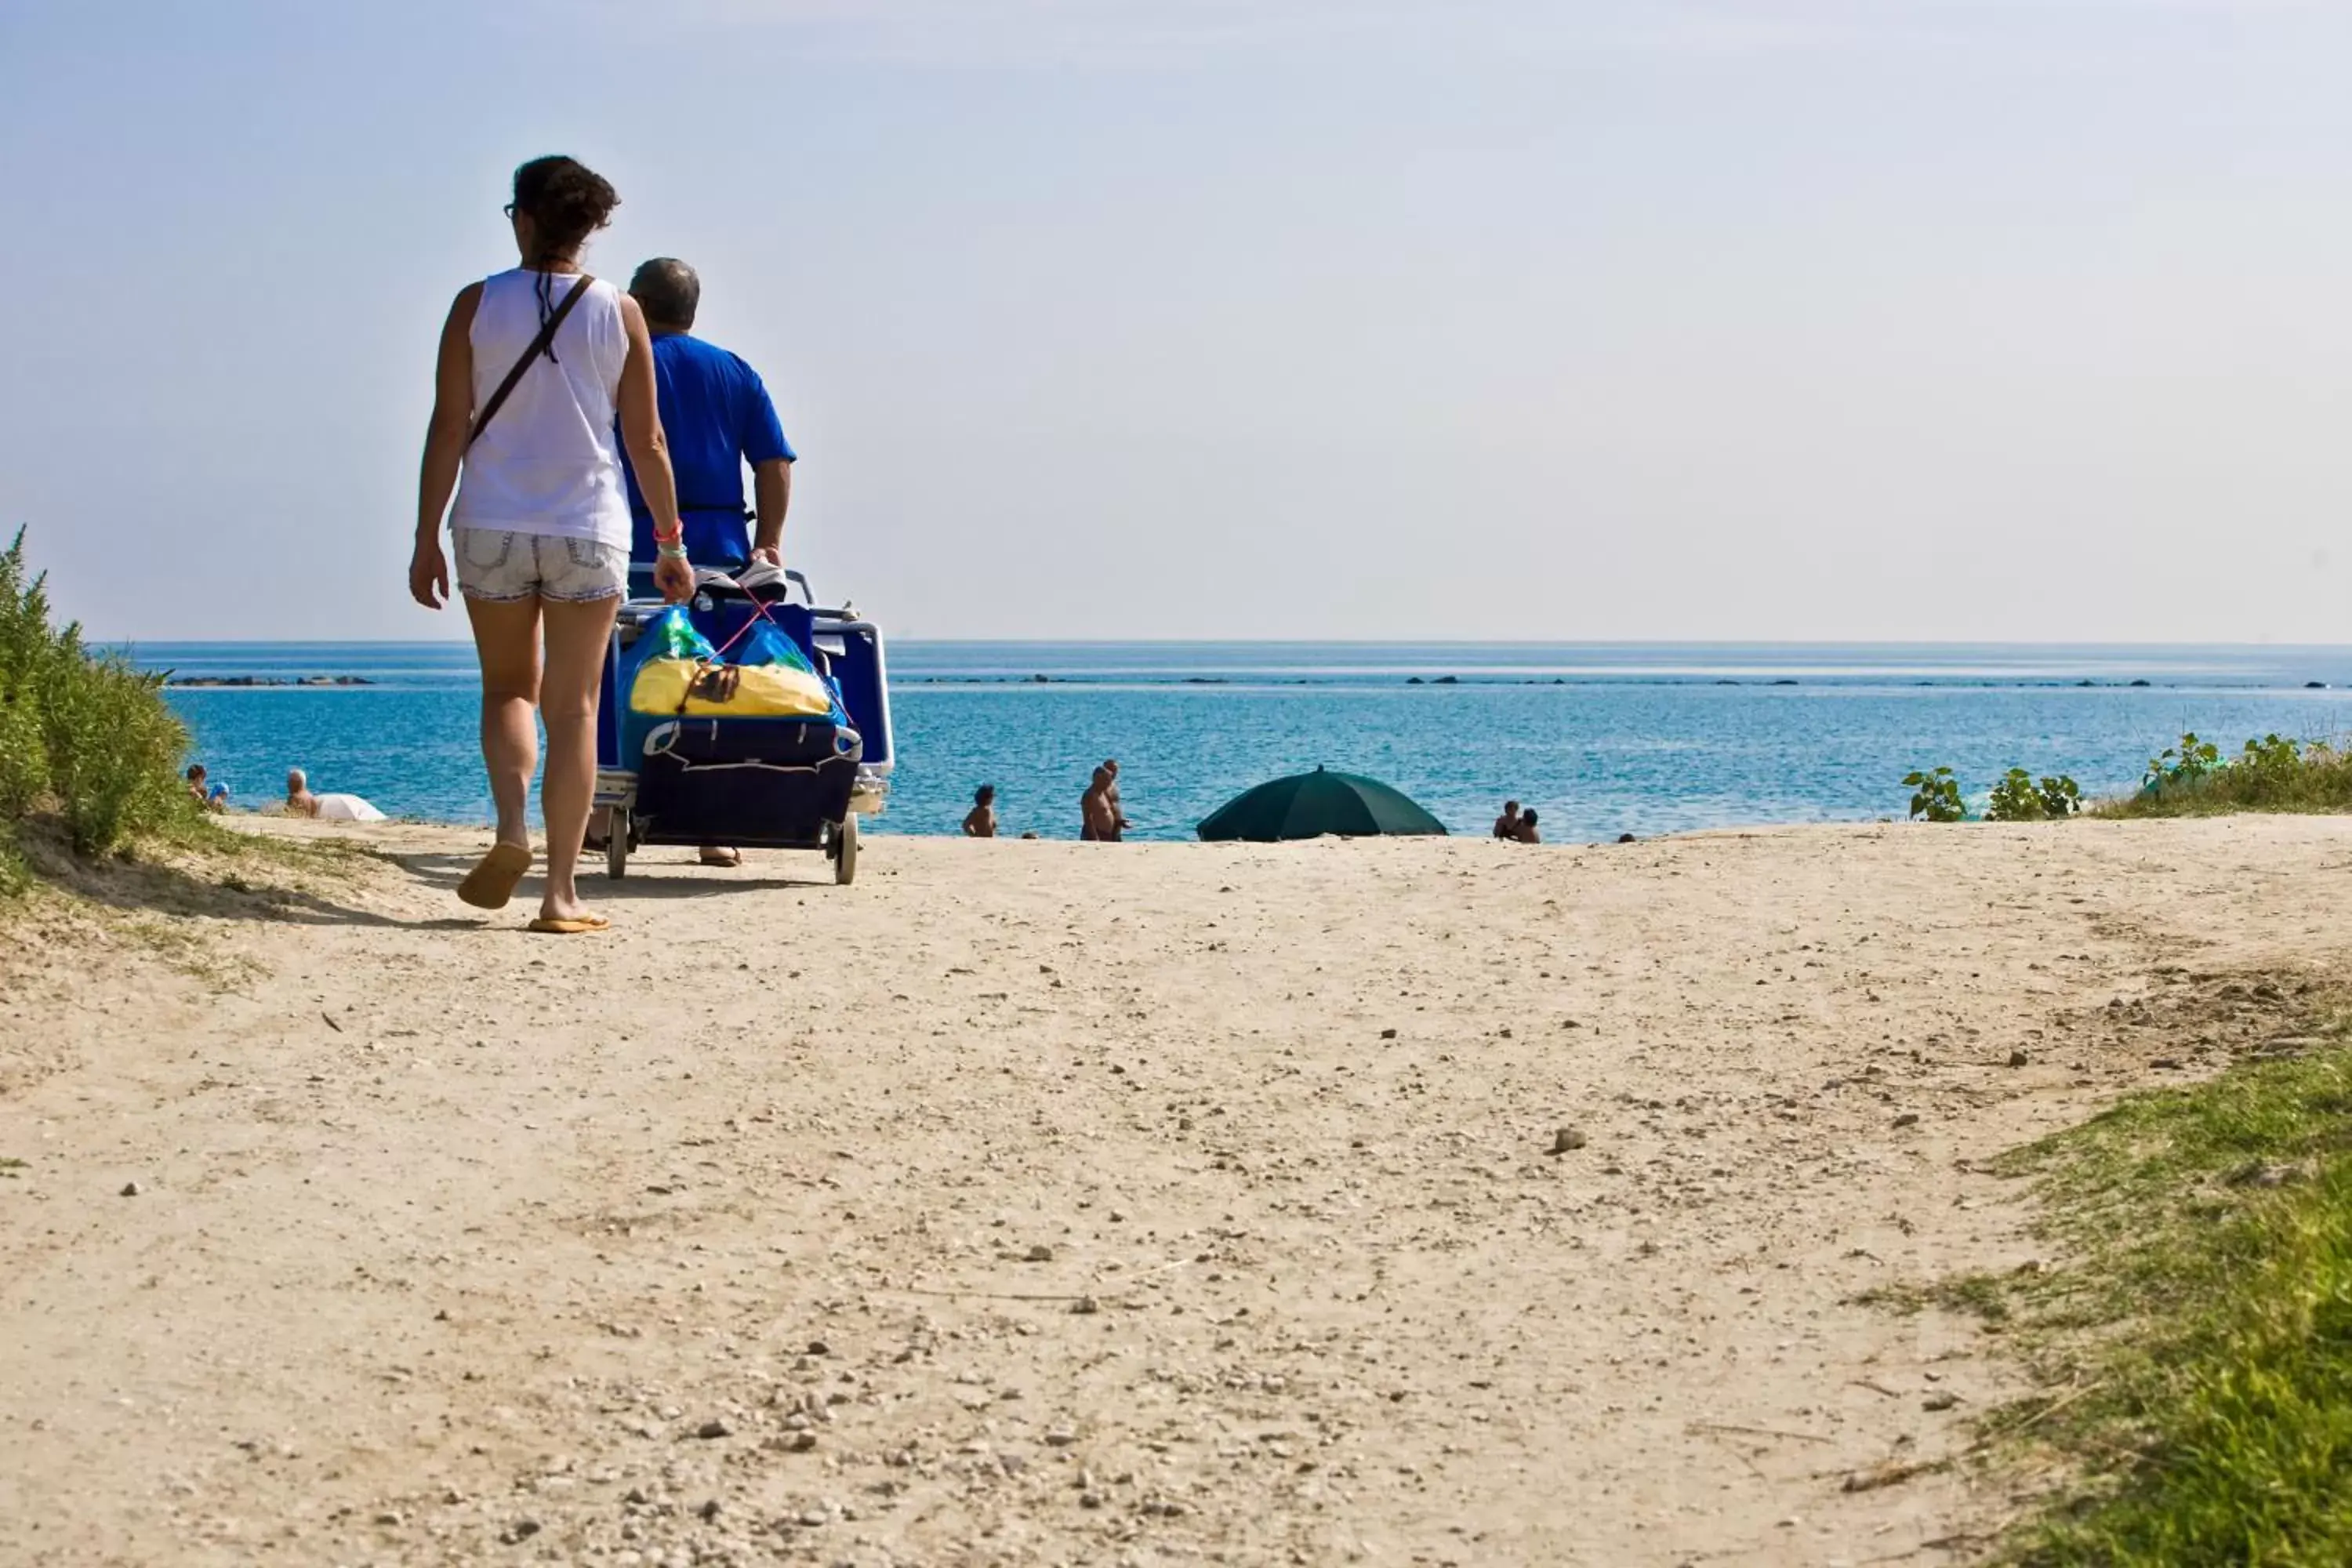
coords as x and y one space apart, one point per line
506 639
578 634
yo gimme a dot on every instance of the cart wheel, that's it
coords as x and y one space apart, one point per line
616 843
844 851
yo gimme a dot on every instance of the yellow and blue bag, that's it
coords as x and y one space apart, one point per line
678 673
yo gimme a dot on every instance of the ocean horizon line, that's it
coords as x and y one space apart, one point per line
1432 642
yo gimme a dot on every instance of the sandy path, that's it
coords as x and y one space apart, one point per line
1043 1204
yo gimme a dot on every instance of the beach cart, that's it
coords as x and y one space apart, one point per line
751 783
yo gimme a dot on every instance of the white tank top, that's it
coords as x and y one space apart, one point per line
550 463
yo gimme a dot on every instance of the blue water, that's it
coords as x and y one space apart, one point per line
1602 738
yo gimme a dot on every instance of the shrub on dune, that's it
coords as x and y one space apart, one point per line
83 737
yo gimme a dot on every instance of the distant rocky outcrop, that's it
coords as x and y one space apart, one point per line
191 680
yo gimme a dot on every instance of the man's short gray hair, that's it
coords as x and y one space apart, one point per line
669 291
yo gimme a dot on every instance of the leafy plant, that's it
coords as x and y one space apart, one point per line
2184 765
2014 799
1936 795
2270 763
84 736
2061 796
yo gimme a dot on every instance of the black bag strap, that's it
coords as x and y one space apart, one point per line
538 347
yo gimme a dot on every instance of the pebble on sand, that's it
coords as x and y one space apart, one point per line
1566 1140
130 1189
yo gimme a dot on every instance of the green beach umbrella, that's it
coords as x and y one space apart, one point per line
1306 805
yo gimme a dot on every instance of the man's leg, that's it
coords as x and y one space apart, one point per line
578 634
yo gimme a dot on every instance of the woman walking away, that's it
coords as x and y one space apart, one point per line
534 364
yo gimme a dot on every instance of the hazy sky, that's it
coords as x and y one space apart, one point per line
1595 319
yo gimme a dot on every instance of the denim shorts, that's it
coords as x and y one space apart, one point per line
503 567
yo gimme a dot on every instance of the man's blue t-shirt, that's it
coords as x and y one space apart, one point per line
717 416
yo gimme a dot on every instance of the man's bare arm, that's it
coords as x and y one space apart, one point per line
771 497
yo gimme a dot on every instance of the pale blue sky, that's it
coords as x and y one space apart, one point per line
1803 319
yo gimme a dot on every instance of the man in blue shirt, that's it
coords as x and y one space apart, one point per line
717 416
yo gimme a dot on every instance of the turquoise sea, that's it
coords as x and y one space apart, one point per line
1602 739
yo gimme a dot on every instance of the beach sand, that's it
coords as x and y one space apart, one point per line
1035 1203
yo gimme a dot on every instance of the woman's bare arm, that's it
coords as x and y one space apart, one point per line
641 432
444 447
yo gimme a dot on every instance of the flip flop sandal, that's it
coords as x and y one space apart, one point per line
492 880
582 927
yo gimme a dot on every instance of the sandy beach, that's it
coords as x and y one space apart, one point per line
1032 1203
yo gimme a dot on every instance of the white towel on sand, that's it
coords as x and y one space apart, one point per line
346 808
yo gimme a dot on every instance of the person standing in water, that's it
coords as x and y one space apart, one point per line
1118 823
979 822
1098 818
535 363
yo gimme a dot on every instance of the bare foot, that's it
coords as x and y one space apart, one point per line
551 908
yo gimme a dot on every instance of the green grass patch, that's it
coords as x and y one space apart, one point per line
2194 779
2197 1348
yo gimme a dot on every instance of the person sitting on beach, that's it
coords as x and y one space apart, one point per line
1507 826
1098 818
544 375
1527 832
979 822
214 798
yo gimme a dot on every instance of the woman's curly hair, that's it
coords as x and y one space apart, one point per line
567 200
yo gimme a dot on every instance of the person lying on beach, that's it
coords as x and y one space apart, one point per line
1507 824
1098 818
979 822
1527 832
300 801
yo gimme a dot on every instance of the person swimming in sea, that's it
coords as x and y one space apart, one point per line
979 822
1507 826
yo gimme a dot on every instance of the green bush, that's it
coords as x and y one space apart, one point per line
85 737
2019 797
2272 773
1936 794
